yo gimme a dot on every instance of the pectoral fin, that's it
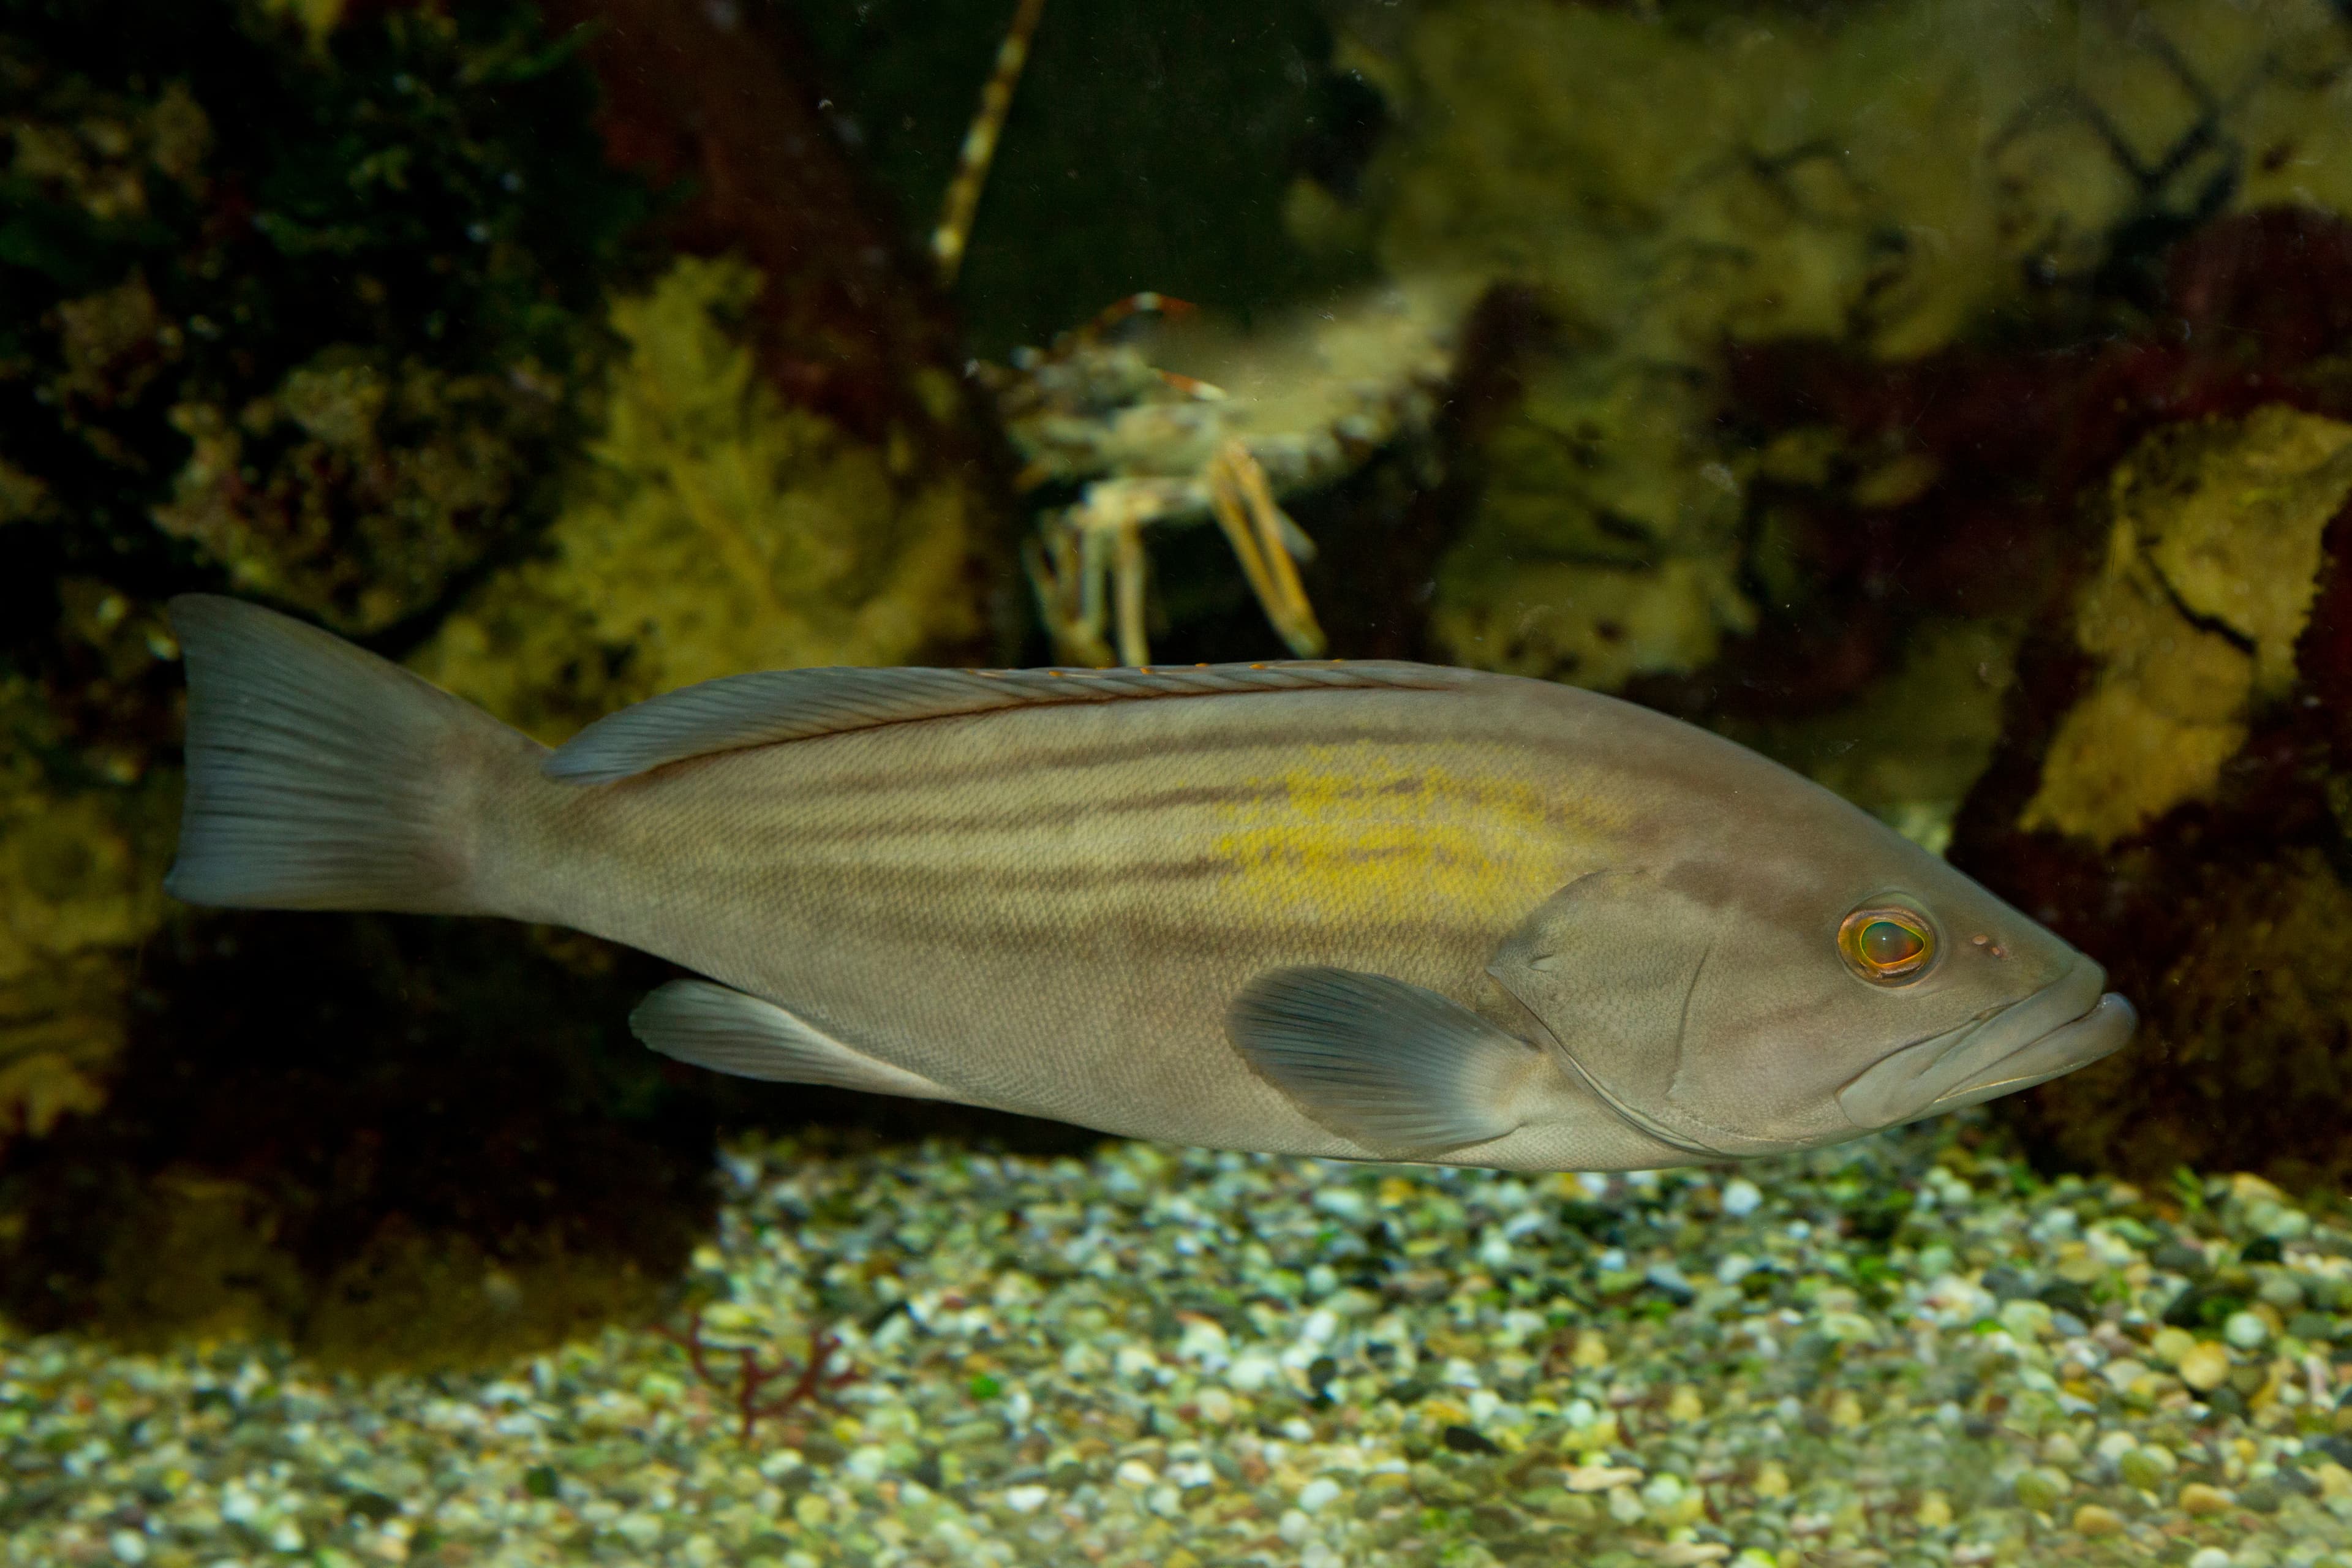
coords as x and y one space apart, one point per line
1402 1070
726 1031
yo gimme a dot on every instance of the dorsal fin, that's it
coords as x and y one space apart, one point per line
737 711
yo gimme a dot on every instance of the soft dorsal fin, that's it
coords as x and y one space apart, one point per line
737 711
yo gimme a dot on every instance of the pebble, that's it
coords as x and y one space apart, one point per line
2197 1497
2095 1519
2042 1487
2147 1465
2205 1367
2245 1330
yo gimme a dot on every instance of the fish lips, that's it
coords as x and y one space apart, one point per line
2068 1024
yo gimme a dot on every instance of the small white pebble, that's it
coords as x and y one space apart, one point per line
1025 1500
128 1545
1252 1370
2210 1557
1318 1494
2245 1330
1740 1196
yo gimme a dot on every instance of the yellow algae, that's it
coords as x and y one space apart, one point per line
719 531
80 875
2212 560
1350 831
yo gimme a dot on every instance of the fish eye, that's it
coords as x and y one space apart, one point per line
1887 944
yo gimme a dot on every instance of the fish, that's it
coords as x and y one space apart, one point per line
1367 911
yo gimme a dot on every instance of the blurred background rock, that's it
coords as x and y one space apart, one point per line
1954 403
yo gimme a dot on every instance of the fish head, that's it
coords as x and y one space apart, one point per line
1799 984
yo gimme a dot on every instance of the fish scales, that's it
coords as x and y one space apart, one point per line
1053 923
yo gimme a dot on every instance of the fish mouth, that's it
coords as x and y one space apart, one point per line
2068 1024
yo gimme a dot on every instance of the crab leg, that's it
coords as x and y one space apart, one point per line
1256 526
1127 572
980 143
1059 575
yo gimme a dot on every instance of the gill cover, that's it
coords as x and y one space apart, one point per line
1610 966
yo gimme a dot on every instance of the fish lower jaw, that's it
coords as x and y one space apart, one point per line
2101 1032
1968 1067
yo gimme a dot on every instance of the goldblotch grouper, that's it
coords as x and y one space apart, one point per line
1367 910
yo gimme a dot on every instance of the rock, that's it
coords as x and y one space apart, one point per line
1607 543
2173 798
2212 564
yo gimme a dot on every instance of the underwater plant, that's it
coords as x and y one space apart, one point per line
812 1376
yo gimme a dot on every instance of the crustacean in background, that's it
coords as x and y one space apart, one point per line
1291 409
1251 418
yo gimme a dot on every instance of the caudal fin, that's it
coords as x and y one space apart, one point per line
322 777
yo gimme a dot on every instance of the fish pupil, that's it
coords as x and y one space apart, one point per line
1885 943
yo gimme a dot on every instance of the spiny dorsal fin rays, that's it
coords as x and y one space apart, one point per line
738 711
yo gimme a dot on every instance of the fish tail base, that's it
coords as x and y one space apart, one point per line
324 778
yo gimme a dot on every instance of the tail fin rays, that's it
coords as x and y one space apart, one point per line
322 777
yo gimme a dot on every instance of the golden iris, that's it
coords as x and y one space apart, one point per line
1889 945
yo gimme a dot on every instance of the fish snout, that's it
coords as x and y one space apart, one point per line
2068 1024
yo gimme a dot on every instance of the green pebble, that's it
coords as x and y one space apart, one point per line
2145 1466
2042 1488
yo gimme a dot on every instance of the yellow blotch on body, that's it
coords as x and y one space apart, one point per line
1354 834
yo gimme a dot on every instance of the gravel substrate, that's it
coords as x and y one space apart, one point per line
1907 1351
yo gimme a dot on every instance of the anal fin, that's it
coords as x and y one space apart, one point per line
1394 1066
727 1031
